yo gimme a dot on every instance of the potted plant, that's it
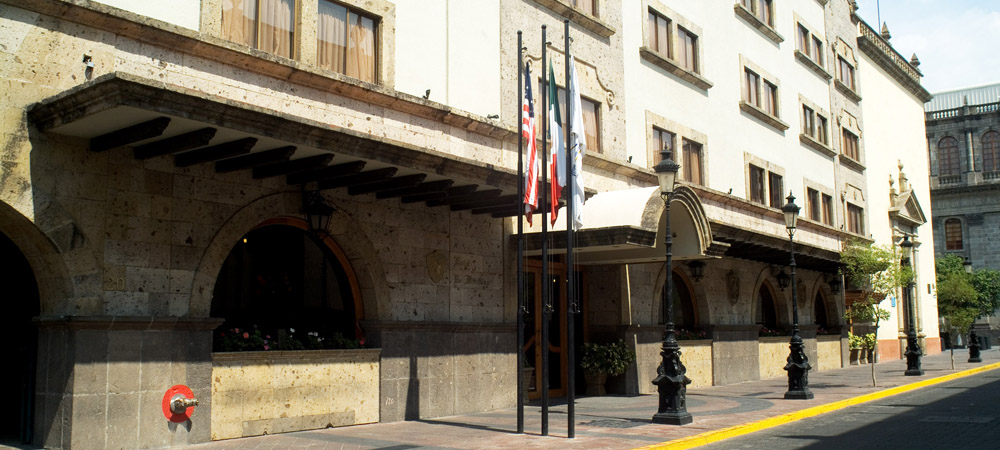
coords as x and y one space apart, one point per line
602 360
855 342
871 345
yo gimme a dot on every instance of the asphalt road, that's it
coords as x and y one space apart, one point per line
961 414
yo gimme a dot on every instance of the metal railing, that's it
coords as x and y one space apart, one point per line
964 111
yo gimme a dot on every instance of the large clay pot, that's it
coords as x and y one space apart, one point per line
595 382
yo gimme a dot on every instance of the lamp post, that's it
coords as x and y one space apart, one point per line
671 381
912 352
318 211
974 355
797 363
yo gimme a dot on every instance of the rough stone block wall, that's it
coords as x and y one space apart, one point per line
828 353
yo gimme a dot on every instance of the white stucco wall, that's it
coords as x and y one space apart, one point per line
184 13
458 60
716 112
894 133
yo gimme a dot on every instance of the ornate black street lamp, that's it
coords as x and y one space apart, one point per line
671 381
697 270
318 211
912 349
797 363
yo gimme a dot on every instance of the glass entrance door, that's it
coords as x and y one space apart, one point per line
557 328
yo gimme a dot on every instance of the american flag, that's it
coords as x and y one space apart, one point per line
528 130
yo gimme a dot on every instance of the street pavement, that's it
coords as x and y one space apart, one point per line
955 414
617 422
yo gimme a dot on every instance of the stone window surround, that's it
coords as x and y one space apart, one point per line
842 50
593 24
306 28
755 110
816 66
859 199
672 66
962 230
769 168
850 123
823 190
588 86
864 217
680 132
810 140
752 20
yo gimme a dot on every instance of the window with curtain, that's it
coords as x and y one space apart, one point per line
812 196
808 121
663 139
845 72
817 51
751 90
828 209
659 34
821 127
691 164
804 40
991 151
267 25
850 144
953 234
770 99
765 12
757 187
688 48
855 219
346 41
774 189
948 156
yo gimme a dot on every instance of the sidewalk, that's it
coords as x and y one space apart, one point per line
624 422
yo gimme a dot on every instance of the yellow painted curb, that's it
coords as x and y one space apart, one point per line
747 428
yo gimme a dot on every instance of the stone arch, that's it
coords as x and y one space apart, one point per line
699 299
783 307
822 288
356 246
47 259
687 218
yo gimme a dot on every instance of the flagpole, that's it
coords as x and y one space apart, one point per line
520 241
543 343
570 279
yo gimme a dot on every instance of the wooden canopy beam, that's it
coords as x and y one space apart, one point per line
328 172
423 188
457 190
255 159
215 152
406 181
128 135
370 176
294 166
175 144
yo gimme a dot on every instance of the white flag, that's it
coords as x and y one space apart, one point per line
577 144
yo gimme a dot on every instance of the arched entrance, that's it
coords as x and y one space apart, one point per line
685 314
284 288
20 305
820 316
767 311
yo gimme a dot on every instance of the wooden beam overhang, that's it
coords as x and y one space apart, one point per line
326 173
294 166
129 135
467 198
504 200
175 144
370 176
455 191
255 159
406 181
215 152
422 188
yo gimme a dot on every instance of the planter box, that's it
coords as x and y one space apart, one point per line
255 393
697 358
828 349
772 353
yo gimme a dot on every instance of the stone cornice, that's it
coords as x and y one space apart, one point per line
880 51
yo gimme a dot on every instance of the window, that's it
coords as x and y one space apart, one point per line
757 184
845 72
763 10
805 40
948 156
991 151
587 6
850 145
751 92
267 25
828 209
814 125
770 99
775 189
663 140
658 28
345 41
688 47
855 219
821 127
591 117
817 51
814 205
953 234
691 164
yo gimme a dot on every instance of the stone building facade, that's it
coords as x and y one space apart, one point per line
159 183
963 142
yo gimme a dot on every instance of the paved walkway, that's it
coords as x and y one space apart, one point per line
615 422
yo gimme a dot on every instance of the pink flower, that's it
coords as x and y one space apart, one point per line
268 336
362 341
267 347
246 335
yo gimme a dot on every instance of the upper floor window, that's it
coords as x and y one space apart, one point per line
587 6
948 156
267 25
815 208
757 187
814 125
850 145
761 95
346 41
775 189
845 73
672 43
828 209
659 34
820 206
591 118
688 49
953 234
855 219
663 140
991 151
751 89
763 10
691 162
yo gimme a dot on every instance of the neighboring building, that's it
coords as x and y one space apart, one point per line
161 165
963 144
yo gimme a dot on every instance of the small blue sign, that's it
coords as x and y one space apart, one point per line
893 299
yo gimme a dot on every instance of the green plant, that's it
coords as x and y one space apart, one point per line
855 342
870 341
612 358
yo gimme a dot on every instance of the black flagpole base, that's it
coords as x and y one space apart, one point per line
673 418
912 359
671 385
804 394
798 371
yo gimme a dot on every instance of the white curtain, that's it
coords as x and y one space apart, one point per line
332 36
277 26
239 19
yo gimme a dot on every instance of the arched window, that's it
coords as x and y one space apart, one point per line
953 234
767 313
284 289
948 156
819 311
684 317
991 151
